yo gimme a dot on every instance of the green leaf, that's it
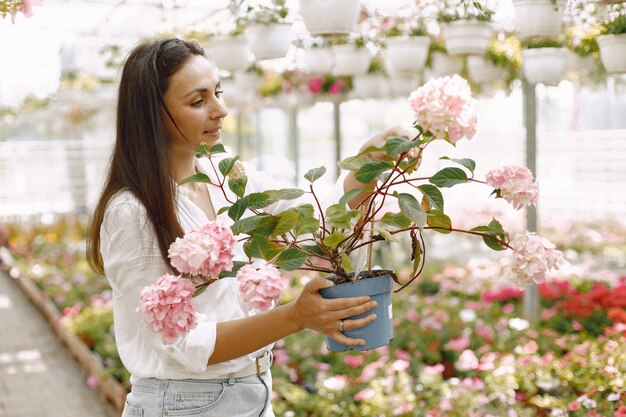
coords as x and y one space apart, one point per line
398 144
238 209
495 234
259 200
233 272
345 199
354 162
223 210
201 150
305 210
287 220
307 224
466 162
437 218
284 194
448 177
314 174
333 240
410 207
290 259
496 226
260 247
398 220
196 178
262 224
388 236
346 262
368 172
338 216
227 164
200 289
433 194
313 249
494 244
238 186
219 148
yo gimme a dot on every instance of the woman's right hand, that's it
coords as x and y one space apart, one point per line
311 311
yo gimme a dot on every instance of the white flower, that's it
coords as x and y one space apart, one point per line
558 412
614 396
237 172
335 383
467 315
518 324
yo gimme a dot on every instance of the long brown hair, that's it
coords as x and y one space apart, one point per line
140 161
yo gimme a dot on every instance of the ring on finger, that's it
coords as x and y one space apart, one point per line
341 325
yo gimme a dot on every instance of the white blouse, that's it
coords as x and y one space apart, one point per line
132 261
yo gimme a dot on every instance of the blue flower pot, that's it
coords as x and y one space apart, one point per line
380 331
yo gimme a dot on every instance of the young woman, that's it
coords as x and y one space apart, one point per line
170 101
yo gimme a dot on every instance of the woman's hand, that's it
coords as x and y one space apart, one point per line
311 311
380 139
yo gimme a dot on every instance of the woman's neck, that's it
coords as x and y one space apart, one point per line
183 165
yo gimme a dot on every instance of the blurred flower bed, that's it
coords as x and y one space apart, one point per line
461 347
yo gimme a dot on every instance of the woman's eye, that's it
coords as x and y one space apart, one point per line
219 93
197 103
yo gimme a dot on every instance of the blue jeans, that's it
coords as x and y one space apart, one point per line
236 397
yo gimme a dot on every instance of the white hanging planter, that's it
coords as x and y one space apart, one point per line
613 52
325 17
403 85
577 63
405 54
538 17
443 64
247 81
467 37
350 60
369 86
230 53
269 41
544 65
483 71
318 60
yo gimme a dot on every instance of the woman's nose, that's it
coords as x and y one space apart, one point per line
219 111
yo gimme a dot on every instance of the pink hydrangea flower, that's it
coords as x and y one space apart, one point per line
445 106
516 185
259 286
207 251
166 307
467 361
533 257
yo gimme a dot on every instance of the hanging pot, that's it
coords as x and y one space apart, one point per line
482 71
544 65
269 41
613 52
380 331
327 17
538 17
369 86
247 81
350 60
467 37
318 60
230 53
442 64
405 54
404 84
577 63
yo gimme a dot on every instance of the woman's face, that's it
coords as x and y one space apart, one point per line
194 99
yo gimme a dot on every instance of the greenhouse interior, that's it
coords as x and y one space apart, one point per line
360 208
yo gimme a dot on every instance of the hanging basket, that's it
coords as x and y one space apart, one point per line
369 86
318 60
406 54
483 71
269 41
442 65
329 17
544 65
467 37
538 17
248 81
613 52
577 63
404 84
230 53
350 60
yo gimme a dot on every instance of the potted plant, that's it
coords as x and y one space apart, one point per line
538 17
582 48
336 240
230 51
501 62
329 17
351 56
373 84
318 56
439 63
466 28
612 42
329 87
406 47
267 30
543 60
250 79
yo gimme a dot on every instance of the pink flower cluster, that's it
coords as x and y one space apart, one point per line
445 106
166 307
206 252
318 83
259 286
533 257
515 184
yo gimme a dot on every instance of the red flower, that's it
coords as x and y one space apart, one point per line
620 412
617 315
504 294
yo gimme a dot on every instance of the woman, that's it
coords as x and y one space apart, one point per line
170 101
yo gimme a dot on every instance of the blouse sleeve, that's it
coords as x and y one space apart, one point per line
133 261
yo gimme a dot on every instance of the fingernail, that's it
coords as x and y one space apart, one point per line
362 342
374 303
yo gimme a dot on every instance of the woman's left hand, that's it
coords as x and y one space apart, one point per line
380 139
